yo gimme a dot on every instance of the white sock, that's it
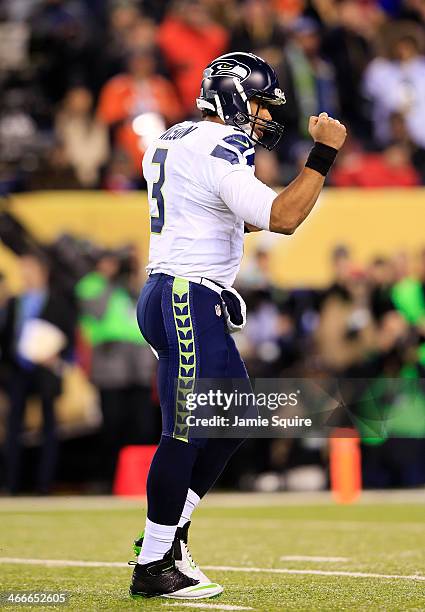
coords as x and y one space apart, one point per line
157 540
192 500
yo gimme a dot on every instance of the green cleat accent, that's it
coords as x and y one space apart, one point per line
204 587
137 544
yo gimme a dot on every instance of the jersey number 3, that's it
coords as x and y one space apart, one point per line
157 221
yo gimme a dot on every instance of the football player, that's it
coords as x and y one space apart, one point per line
202 194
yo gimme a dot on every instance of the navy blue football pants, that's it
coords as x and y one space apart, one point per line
183 322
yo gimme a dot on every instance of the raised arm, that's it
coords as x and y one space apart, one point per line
295 202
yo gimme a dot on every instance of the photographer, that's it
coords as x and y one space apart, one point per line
37 331
121 363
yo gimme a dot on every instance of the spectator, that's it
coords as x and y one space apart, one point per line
381 278
138 92
19 139
402 265
224 12
268 341
18 130
37 301
313 76
400 135
308 81
14 35
120 174
288 11
63 47
347 48
256 273
142 34
392 168
20 10
397 84
121 362
345 334
412 10
123 19
84 139
54 171
189 40
257 31
86 45
342 265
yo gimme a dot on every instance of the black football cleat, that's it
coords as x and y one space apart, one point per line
162 579
185 563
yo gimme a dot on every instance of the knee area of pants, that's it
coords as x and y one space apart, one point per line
178 445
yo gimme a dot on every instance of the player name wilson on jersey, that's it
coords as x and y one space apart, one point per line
177 131
201 190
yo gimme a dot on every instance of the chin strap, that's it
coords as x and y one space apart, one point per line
241 92
219 108
252 124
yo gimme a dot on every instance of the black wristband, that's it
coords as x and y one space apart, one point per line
321 158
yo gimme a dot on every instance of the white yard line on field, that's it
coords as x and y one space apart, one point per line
62 562
311 572
313 559
205 606
218 568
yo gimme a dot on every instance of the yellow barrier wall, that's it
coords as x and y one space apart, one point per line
109 219
371 222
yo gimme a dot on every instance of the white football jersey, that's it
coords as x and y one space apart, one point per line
201 189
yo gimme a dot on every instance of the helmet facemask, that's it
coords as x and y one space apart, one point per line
250 122
271 131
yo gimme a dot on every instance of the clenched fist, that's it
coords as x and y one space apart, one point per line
326 130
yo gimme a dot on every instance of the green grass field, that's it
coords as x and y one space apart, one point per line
381 536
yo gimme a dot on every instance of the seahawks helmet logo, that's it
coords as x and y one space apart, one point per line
230 68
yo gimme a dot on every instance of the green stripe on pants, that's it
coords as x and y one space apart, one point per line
187 355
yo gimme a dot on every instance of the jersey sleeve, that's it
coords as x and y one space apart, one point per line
231 177
248 198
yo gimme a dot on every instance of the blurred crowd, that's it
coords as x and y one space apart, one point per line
368 323
367 326
56 334
86 84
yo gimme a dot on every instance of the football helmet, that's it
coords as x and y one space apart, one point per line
234 86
